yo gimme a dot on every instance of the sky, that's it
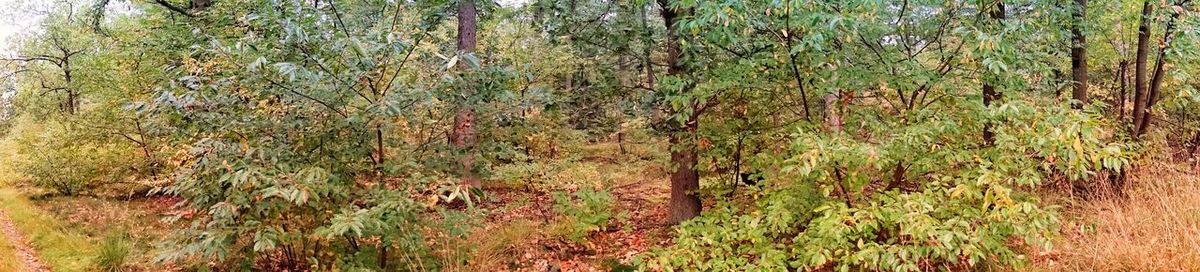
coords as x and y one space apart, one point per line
16 17
21 16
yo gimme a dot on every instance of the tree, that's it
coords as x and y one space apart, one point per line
57 48
1079 69
1141 90
990 95
685 178
463 135
1155 88
1147 93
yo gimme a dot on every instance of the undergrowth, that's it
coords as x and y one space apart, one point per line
1154 227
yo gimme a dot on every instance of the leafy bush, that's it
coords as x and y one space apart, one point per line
288 163
587 211
60 159
966 210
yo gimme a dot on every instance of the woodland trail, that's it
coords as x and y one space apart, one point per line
27 254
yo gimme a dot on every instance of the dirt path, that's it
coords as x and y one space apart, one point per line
27 254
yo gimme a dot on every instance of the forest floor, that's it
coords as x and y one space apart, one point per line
1155 226
526 233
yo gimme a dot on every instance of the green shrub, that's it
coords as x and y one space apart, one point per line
583 213
968 209
61 159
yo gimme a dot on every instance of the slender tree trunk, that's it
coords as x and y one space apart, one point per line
989 92
685 180
463 136
1159 69
1123 94
1079 72
1141 91
72 96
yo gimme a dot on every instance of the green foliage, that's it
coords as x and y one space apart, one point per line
51 146
892 174
584 212
305 135
966 211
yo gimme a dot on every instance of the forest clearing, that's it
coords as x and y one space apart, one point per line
599 135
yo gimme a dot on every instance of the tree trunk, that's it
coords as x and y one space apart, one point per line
463 136
1141 92
1123 94
685 180
1079 67
1159 69
989 92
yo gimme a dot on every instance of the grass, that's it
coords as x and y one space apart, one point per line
8 257
114 252
1155 228
62 249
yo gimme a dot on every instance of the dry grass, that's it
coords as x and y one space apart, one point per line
1155 228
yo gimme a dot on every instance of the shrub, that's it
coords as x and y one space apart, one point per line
587 211
966 210
60 159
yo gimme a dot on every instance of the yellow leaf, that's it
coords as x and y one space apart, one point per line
1078 148
431 200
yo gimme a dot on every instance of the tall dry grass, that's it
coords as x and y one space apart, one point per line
1155 227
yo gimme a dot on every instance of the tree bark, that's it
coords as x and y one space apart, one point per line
1079 69
989 92
1141 91
1159 69
685 180
463 135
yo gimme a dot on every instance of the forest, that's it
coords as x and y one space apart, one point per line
599 135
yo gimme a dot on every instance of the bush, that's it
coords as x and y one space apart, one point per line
968 208
60 159
588 211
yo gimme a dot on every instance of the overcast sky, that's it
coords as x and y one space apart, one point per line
21 16
18 16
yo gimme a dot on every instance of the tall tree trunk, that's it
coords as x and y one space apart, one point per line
463 136
1159 69
685 180
1141 91
989 92
1079 72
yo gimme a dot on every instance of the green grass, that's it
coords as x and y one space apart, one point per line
61 249
9 262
